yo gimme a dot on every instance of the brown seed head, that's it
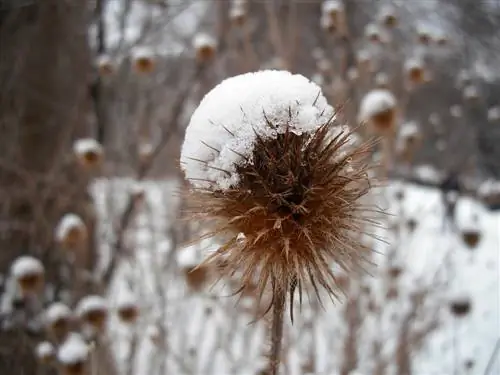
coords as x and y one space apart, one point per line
298 206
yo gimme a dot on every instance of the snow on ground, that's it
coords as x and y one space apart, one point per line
206 334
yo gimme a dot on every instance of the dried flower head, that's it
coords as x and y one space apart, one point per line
72 355
89 152
378 109
332 9
127 308
382 80
57 319
29 274
45 352
205 46
415 71
238 13
494 114
424 35
373 33
71 231
274 177
471 237
409 139
143 60
105 65
93 312
388 17
460 305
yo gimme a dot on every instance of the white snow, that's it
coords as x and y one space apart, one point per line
73 350
381 79
428 173
26 266
91 303
375 102
222 130
471 92
331 6
57 311
68 222
104 60
142 52
126 299
409 129
373 31
87 145
204 40
413 63
456 111
44 350
494 113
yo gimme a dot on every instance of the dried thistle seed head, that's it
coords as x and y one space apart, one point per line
127 308
29 274
388 17
460 305
57 319
71 231
105 65
373 33
424 35
238 13
72 355
45 352
273 164
205 46
93 312
415 71
89 152
378 109
471 237
143 60
332 9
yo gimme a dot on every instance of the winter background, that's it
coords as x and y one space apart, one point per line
98 272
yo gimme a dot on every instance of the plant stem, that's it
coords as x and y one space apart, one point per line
277 331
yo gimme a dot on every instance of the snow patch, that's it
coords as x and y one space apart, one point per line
222 132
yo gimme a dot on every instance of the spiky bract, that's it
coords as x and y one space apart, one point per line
296 212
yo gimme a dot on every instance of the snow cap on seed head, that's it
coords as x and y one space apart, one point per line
222 131
25 266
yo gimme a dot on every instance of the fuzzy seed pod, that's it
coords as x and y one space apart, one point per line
143 60
71 231
204 46
29 274
275 167
378 109
89 152
364 60
93 312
